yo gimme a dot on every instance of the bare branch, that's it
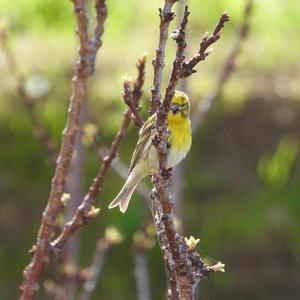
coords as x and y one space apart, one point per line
101 14
166 16
39 130
139 82
206 42
84 69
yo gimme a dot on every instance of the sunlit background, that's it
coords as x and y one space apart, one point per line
241 181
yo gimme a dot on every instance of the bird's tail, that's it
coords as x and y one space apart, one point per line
123 198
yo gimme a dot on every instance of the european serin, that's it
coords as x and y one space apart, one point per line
145 156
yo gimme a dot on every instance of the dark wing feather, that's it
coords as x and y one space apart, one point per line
144 136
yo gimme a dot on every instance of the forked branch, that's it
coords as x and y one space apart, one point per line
84 70
206 42
86 211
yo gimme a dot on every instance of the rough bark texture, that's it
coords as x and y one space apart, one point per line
85 67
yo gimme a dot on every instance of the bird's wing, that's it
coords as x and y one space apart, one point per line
146 133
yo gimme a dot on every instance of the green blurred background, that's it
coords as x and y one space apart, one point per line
241 179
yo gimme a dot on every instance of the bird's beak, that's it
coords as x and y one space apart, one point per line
174 108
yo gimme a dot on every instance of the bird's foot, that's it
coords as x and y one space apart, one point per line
166 173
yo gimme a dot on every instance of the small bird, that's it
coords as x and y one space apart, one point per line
145 156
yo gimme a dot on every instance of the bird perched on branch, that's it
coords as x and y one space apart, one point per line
145 156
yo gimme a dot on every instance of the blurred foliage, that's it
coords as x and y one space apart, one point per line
275 170
252 136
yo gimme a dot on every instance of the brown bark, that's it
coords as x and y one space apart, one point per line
87 55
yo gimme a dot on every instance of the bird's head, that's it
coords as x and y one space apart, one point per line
180 107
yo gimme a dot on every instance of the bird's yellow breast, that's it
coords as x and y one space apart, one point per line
180 142
180 138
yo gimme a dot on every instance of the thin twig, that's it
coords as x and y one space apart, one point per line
140 80
128 99
84 69
39 130
166 16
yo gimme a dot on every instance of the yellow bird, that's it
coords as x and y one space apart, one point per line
145 156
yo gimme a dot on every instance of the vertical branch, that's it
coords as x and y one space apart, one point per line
178 36
84 69
166 16
181 256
